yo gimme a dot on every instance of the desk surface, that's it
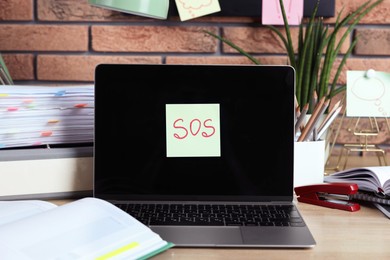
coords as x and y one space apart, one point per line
364 234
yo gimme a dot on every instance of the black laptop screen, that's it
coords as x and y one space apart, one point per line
193 131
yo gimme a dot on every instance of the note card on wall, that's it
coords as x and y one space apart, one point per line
368 94
148 8
189 9
272 13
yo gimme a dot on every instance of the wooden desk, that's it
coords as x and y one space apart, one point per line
364 234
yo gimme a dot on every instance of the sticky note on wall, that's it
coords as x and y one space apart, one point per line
149 8
190 9
272 12
368 94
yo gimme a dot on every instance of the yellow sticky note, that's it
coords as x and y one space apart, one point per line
190 9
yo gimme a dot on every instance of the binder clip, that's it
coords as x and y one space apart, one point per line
331 195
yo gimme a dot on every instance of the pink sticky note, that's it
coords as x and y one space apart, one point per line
272 13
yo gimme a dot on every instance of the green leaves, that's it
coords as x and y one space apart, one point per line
253 59
5 77
318 49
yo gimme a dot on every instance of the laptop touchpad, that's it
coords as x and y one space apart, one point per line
270 236
201 236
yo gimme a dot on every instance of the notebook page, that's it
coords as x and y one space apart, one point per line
85 229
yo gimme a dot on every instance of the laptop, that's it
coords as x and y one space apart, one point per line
202 154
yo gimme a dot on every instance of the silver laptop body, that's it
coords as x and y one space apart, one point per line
203 141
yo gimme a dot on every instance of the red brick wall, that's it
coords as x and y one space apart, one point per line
61 41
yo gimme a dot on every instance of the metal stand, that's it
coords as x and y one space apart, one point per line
363 145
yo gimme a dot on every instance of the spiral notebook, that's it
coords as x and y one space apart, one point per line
204 142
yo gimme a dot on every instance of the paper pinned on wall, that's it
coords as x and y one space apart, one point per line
148 8
190 9
272 13
368 94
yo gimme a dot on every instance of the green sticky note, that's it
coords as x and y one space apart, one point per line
193 130
150 8
368 94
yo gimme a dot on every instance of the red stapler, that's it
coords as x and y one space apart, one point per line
331 195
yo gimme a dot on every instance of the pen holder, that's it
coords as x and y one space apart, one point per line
309 162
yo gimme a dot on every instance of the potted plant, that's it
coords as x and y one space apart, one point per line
316 53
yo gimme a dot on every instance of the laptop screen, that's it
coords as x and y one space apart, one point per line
194 132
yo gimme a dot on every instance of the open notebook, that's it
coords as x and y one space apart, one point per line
181 146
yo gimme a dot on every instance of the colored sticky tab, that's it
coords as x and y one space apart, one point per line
189 9
60 93
29 103
80 105
368 94
52 121
272 12
46 133
3 95
12 109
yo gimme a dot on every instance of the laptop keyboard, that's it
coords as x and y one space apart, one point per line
214 215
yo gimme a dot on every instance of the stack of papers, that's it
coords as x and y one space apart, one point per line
46 115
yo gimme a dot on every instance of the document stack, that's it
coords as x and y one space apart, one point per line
46 115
